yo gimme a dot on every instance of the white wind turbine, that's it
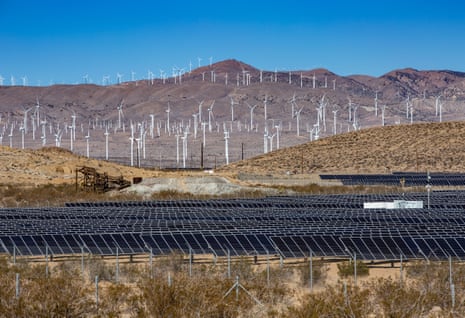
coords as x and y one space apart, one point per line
334 122
265 107
200 111
131 142
440 112
376 103
168 110
251 114
24 79
270 138
120 113
11 136
152 125
210 116
232 108
1 80
87 143
44 136
297 115
293 104
22 136
226 146
177 148
25 119
119 78
12 80
265 141
184 149
106 133
437 104
278 128
196 124
58 135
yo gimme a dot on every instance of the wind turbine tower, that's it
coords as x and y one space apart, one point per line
226 146
251 114
265 107
210 116
297 115
106 142
87 143
334 122
232 108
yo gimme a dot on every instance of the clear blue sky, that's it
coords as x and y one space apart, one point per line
61 41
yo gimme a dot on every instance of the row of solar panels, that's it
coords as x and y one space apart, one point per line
396 179
281 221
368 248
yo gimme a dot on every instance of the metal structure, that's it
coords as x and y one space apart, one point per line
89 179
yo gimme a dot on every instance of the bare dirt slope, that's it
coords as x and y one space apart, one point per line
54 165
419 147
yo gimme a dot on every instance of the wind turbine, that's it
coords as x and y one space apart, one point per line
437 104
376 103
87 142
270 137
119 78
297 115
200 111
292 101
251 113
131 141
168 118
120 113
440 112
184 149
152 124
106 142
1 80
22 136
11 136
196 124
278 128
334 122
210 116
24 79
226 146
265 107
265 141
232 108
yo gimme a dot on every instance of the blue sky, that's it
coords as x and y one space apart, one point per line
61 41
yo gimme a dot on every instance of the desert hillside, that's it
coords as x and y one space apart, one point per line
418 147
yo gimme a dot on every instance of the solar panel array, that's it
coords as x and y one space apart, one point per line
292 226
394 179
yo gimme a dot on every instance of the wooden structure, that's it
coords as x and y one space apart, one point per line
88 179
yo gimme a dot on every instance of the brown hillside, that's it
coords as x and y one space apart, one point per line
418 147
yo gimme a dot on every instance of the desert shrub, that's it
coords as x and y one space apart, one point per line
334 301
346 269
318 273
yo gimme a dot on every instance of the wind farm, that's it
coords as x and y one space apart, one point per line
217 122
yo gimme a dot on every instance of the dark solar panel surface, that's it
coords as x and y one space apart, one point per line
293 226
